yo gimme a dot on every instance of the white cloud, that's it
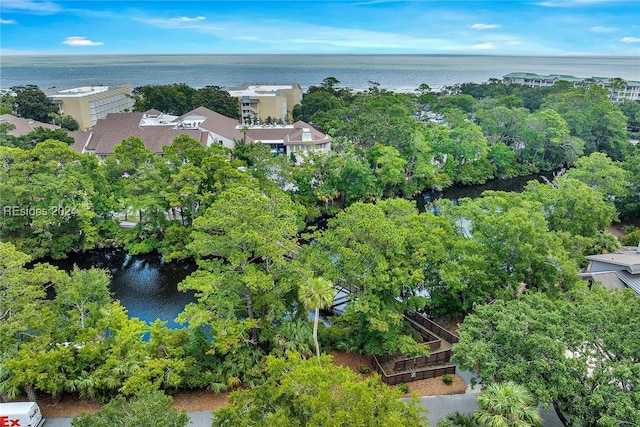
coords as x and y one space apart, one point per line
197 23
7 21
598 29
291 34
630 40
485 26
38 7
187 19
80 41
484 46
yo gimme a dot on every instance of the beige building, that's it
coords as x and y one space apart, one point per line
261 103
87 104
617 89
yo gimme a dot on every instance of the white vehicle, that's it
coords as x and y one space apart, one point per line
20 414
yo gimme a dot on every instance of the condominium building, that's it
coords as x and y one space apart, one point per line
157 130
87 104
263 103
618 89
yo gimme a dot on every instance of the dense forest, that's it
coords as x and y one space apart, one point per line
271 239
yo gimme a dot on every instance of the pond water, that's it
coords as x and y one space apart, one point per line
144 284
515 185
147 286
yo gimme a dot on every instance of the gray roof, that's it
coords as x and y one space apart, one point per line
631 280
80 137
608 279
117 127
630 259
216 122
291 134
24 126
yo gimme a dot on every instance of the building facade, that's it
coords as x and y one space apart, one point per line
264 103
617 270
158 130
87 104
618 89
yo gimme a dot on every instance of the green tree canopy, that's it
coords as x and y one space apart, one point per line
601 173
379 253
572 206
592 117
175 99
216 99
578 352
300 393
32 103
518 250
49 191
39 134
245 283
136 180
320 101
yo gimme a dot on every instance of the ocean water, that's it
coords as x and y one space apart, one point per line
392 72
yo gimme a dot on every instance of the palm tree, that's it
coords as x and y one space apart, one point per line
314 294
458 419
507 404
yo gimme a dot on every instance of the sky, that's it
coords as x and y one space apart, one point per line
462 27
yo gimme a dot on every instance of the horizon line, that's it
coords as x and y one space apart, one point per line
599 55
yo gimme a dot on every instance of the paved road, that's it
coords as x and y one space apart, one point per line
198 419
438 406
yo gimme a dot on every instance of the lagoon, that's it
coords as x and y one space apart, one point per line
148 286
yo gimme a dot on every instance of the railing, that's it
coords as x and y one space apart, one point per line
433 327
422 361
405 377
417 368
425 333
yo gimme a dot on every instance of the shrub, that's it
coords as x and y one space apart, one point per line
631 239
447 379
363 369
146 409
404 388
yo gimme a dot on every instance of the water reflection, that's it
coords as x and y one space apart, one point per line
144 284
473 191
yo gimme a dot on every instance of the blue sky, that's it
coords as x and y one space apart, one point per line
506 27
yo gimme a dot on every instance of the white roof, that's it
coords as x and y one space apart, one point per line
259 90
78 92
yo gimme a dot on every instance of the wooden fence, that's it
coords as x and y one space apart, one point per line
417 368
405 377
421 361
433 327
